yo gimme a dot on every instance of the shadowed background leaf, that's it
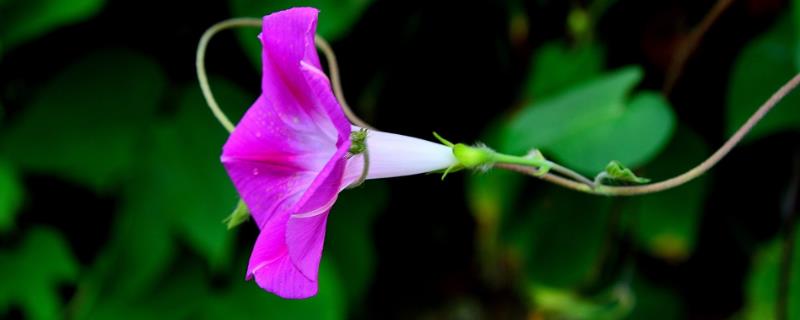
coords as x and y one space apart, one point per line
763 65
85 124
762 283
31 273
24 20
10 195
665 224
350 241
556 223
557 67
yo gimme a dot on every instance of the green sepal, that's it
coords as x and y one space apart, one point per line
442 140
473 156
239 215
616 174
358 141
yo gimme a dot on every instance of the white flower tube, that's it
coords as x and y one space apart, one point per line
394 155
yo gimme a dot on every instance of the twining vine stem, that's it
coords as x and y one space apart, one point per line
572 180
680 179
689 45
255 22
200 64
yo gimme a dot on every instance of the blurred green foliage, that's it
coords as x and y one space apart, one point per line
85 124
25 20
762 284
31 273
557 222
10 195
764 65
113 122
665 223
557 67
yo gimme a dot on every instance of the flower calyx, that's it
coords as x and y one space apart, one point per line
358 142
482 158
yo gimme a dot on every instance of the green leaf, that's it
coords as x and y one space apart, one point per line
10 195
592 123
187 294
761 290
616 173
349 239
27 19
141 247
179 188
561 221
85 124
763 66
665 223
31 274
182 295
336 18
556 68
245 300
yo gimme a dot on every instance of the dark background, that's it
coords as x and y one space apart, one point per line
412 67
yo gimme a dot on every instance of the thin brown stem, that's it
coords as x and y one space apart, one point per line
549 177
572 174
333 69
688 46
200 64
686 176
255 22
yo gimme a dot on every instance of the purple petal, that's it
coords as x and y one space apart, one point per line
273 269
306 227
288 39
305 236
321 87
269 163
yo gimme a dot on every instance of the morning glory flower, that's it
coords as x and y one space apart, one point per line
289 156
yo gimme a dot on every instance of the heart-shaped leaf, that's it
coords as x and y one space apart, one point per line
593 123
556 68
